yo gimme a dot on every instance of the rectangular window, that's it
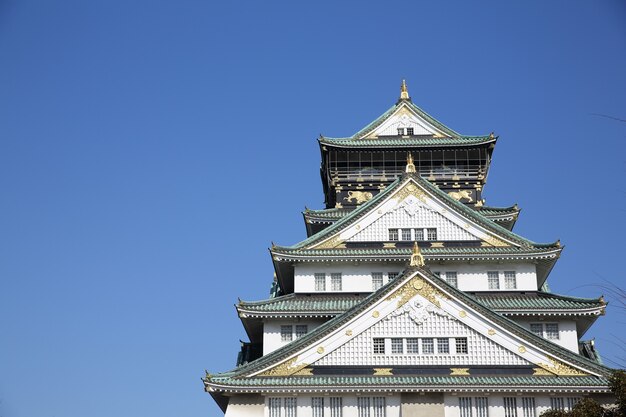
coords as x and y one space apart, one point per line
571 402
528 407
510 407
320 282
336 409
317 405
286 333
510 282
482 407
443 345
275 404
406 234
537 328
363 405
465 404
379 346
552 331
428 346
290 407
451 278
392 275
377 280
431 234
494 280
379 406
393 234
412 345
409 131
557 403
419 234
461 345
335 281
400 131
397 346
301 330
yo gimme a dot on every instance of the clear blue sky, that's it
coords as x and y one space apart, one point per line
151 150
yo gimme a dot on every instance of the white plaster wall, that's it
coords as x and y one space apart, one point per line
271 331
357 278
568 336
349 403
245 406
496 403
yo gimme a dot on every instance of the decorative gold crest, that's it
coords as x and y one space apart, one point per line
330 243
410 189
320 350
521 349
382 371
560 368
417 285
462 314
491 332
304 372
286 368
495 241
459 371
375 314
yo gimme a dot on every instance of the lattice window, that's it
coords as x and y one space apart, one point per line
301 330
392 275
400 131
451 278
282 407
465 405
537 328
379 346
335 281
397 346
443 345
320 282
290 407
409 131
317 406
557 403
419 234
286 333
510 407
461 345
510 281
552 331
379 406
494 280
363 405
393 234
431 233
406 234
528 407
377 280
482 407
275 404
412 345
336 408
428 346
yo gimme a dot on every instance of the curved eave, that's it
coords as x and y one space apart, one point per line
415 142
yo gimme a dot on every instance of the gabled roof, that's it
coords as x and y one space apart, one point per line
276 369
411 183
442 136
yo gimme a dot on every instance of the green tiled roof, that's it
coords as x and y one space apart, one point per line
498 211
338 303
413 381
331 214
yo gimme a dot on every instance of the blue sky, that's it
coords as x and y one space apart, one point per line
151 151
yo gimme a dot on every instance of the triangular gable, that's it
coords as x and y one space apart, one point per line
420 285
404 116
413 191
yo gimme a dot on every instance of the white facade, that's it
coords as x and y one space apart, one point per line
272 337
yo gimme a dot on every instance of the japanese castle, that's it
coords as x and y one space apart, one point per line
410 296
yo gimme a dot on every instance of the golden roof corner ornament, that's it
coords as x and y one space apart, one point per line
417 259
492 135
410 166
404 91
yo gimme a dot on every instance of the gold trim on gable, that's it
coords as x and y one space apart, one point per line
331 243
417 285
559 368
286 368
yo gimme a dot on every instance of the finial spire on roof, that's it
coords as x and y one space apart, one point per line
410 166
404 91
417 259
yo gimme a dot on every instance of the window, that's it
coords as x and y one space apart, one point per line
393 234
552 331
335 407
379 406
494 280
301 330
557 403
392 275
510 282
371 406
412 345
451 278
379 346
282 407
443 346
409 131
465 404
317 405
432 234
528 407
406 234
400 131
377 280
461 345
510 407
419 234
286 333
335 281
320 282
397 346
537 328
571 402
482 407
428 346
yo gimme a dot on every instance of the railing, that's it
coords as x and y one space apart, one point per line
440 173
